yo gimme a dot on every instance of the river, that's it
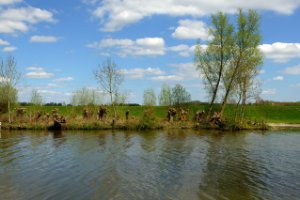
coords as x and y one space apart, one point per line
175 164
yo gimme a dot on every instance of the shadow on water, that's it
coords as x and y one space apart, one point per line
230 173
58 137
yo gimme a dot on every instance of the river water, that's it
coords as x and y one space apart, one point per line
179 164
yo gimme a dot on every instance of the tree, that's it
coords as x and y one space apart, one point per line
120 98
213 60
110 79
36 98
180 95
149 97
246 57
9 77
85 96
165 96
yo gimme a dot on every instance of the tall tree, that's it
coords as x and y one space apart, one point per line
165 96
36 98
110 78
180 95
246 57
85 96
149 97
213 60
9 77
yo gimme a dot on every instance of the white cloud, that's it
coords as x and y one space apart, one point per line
269 92
192 29
7 2
180 71
4 79
183 50
52 85
38 73
167 78
43 39
90 1
187 71
138 73
281 52
64 79
9 49
35 68
295 70
116 14
150 46
278 78
4 43
14 20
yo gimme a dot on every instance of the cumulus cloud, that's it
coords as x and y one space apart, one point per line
64 79
179 71
150 46
43 39
278 78
167 78
138 73
35 68
269 92
13 20
192 29
4 43
7 2
9 49
4 79
281 52
38 73
295 70
116 14
183 50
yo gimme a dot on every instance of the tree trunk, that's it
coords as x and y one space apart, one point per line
9 116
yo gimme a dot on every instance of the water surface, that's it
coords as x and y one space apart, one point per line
182 164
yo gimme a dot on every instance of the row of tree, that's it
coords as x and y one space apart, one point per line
229 65
168 96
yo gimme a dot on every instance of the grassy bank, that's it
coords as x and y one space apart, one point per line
140 117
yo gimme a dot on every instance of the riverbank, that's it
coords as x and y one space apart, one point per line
257 116
136 125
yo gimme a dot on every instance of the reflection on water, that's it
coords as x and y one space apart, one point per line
181 164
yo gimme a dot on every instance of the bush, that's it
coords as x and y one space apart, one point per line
148 121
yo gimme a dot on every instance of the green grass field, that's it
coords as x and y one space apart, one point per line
263 112
156 118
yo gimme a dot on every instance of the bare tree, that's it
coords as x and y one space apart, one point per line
9 77
110 78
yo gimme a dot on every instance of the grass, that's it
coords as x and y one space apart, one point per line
153 118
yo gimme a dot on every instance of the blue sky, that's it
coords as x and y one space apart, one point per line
58 45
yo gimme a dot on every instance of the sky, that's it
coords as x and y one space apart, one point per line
58 44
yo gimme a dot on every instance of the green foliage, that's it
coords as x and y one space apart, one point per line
165 96
36 98
148 121
4 99
180 95
149 97
85 96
